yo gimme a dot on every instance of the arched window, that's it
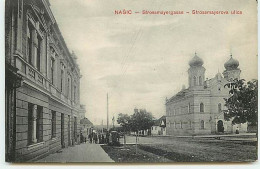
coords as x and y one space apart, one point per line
194 81
219 108
201 107
200 80
202 124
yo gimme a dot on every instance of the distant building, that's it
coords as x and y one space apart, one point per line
159 127
86 126
199 108
42 83
82 111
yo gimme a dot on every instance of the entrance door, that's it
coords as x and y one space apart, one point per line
62 131
220 126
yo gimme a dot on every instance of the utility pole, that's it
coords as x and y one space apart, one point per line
102 127
113 119
107 114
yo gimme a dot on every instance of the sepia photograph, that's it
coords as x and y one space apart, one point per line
131 82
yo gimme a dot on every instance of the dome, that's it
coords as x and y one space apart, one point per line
231 64
196 61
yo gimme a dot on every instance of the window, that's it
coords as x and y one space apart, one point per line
169 123
61 80
194 81
181 125
202 124
190 124
39 124
38 53
69 87
201 107
219 108
53 124
29 44
175 124
189 108
30 123
155 128
35 123
52 70
74 93
200 80
34 43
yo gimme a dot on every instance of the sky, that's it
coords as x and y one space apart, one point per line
139 60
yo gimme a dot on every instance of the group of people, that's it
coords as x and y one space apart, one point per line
98 138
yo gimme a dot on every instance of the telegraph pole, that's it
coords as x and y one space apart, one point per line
102 127
107 114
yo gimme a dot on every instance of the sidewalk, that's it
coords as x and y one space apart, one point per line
79 153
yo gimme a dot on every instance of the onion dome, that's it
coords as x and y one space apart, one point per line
231 64
196 61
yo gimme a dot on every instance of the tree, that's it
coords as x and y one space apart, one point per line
242 104
140 120
124 121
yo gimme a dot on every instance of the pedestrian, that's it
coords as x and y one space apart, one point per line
237 130
95 138
107 138
90 137
102 138
99 138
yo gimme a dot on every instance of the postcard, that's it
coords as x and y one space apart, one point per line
140 81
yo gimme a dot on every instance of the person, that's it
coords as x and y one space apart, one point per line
103 138
107 138
237 130
99 138
95 138
90 137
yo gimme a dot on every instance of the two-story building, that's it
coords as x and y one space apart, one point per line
199 108
42 83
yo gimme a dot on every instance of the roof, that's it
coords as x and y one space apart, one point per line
159 121
180 94
86 121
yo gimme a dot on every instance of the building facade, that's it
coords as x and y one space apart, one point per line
159 127
42 84
199 108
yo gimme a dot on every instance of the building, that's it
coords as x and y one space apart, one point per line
199 108
86 126
159 127
42 83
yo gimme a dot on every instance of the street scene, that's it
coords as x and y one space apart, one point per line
131 81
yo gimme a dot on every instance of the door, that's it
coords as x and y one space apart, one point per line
220 126
62 131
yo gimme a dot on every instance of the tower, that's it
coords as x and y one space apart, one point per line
196 72
232 71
